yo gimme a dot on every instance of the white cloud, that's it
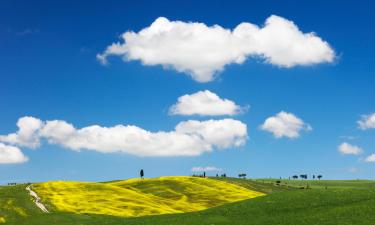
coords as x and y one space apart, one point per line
353 170
367 122
201 51
348 149
285 125
205 103
190 138
223 133
370 158
206 169
11 155
27 134
349 137
27 31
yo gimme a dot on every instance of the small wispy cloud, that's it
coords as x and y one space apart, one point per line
84 50
27 31
367 122
349 137
370 158
353 170
349 149
206 169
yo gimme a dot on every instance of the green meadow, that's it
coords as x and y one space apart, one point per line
289 202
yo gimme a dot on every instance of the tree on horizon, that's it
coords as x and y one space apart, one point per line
141 173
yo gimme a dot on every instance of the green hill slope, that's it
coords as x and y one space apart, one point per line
16 204
343 202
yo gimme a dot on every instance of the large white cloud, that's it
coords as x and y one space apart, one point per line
370 158
348 149
206 169
27 134
223 133
367 122
201 51
11 155
190 138
205 103
285 124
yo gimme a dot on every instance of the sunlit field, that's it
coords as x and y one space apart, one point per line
287 203
138 197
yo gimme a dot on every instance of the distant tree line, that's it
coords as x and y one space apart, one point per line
204 175
200 175
14 183
304 176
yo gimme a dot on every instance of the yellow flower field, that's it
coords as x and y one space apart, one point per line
136 197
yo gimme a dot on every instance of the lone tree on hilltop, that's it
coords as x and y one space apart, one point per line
141 173
295 177
319 177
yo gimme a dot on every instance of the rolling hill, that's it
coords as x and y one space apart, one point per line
136 197
324 203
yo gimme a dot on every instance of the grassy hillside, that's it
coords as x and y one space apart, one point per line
300 207
337 184
343 202
261 186
15 203
138 197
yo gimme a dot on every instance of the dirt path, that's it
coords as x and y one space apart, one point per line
37 199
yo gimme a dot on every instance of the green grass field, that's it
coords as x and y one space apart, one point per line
348 184
324 203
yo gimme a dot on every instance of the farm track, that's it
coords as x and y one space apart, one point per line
36 199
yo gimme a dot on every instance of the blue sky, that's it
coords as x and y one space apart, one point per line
49 70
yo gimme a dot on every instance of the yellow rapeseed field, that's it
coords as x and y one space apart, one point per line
136 197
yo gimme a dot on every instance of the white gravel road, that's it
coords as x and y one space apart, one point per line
37 199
